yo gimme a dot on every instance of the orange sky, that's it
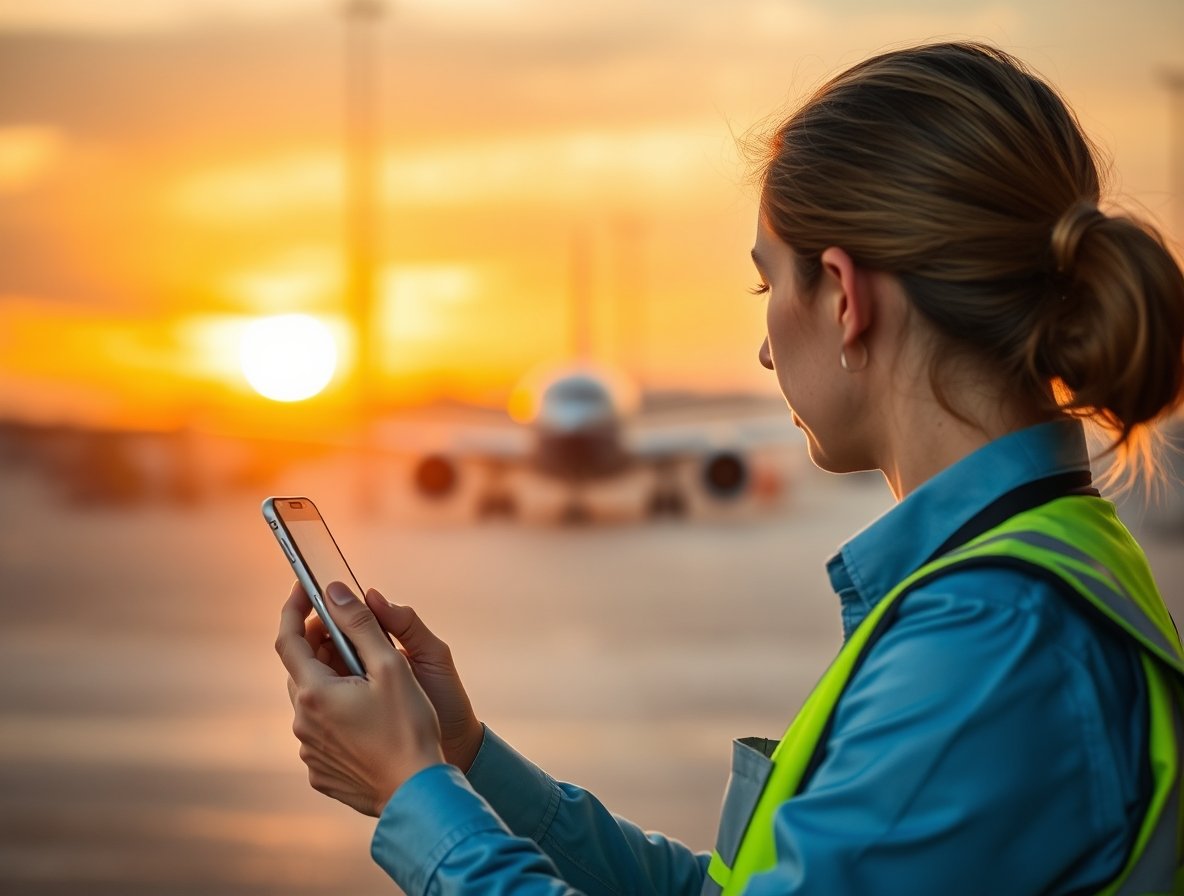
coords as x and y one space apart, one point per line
171 168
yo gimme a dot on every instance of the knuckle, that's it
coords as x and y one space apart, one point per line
300 729
356 615
308 699
386 667
358 623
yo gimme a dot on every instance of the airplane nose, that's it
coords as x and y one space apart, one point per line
765 358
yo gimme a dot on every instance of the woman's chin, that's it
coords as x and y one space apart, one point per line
819 457
833 461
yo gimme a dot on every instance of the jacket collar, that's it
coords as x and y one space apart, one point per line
896 544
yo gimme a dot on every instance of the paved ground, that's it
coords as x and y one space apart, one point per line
144 739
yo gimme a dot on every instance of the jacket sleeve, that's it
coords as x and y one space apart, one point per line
509 827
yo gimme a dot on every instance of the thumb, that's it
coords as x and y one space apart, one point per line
357 623
407 628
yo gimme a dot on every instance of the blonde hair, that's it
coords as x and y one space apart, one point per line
958 170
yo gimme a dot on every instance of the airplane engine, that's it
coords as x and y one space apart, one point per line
436 477
725 475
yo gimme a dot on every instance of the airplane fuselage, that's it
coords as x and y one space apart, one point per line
591 453
578 431
577 425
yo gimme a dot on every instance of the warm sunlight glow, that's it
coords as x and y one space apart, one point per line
288 357
587 167
144 230
302 278
25 154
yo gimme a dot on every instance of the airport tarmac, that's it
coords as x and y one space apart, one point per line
145 745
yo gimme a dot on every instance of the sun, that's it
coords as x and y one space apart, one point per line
287 357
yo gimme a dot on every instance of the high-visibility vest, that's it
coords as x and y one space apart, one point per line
1078 544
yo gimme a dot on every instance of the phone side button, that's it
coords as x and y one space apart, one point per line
288 549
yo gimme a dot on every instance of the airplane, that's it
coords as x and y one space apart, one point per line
579 426
576 426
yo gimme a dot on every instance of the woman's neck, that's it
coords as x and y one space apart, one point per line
923 438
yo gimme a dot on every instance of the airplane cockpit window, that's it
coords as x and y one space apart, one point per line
580 390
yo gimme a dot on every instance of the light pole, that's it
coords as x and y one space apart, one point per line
580 295
1173 79
362 138
631 297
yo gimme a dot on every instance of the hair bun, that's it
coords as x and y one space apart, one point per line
1117 347
1070 229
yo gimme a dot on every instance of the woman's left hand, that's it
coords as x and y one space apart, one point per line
361 738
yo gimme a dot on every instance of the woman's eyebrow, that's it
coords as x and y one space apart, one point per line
756 259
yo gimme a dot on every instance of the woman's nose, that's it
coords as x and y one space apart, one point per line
765 357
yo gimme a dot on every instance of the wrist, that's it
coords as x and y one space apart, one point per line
463 752
405 772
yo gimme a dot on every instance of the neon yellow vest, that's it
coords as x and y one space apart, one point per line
1081 542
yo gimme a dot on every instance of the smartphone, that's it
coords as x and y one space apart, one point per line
316 560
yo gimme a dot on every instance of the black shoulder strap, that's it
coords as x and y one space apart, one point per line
1023 497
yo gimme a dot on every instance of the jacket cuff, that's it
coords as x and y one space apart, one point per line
423 821
524 796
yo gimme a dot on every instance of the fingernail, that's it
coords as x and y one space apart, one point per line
374 594
340 594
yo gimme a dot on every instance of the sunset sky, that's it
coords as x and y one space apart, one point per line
172 169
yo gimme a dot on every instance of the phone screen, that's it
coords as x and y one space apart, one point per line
310 536
317 561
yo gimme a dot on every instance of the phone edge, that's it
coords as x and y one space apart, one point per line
300 568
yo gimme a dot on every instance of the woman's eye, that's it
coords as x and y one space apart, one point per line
759 290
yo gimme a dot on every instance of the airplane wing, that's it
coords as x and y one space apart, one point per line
695 427
719 446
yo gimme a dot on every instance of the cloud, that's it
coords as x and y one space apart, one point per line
667 164
136 16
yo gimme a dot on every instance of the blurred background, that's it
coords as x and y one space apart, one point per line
473 277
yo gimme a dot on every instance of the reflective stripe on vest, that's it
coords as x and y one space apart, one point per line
1079 545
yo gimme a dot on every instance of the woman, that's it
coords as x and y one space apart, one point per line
946 303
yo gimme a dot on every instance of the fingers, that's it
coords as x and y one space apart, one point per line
294 651
298 595
322 645
408 629
315 632
359 625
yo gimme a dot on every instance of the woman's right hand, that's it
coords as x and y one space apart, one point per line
461 733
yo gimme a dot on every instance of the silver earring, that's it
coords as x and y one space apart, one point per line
846 365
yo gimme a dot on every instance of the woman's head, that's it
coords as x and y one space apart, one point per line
966 177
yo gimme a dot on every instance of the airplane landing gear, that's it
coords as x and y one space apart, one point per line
576 513
496 500
493 505
667 503
667 498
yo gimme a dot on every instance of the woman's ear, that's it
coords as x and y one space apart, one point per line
851 294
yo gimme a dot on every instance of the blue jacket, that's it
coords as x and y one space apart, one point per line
992 742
